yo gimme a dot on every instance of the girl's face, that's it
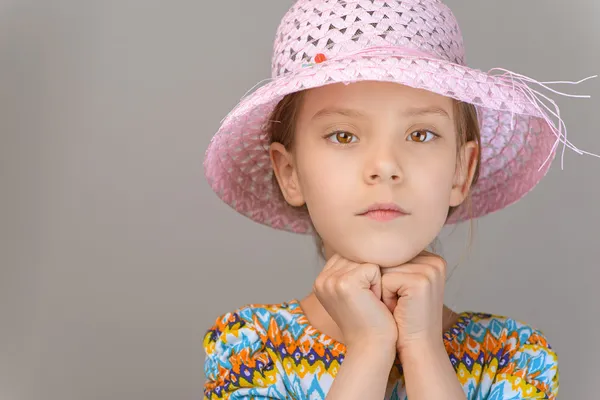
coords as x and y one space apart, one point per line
372 143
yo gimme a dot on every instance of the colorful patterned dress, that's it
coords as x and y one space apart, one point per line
272 352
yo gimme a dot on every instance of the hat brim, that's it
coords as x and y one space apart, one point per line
517 141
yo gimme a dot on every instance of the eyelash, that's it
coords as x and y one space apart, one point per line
433 134
332 134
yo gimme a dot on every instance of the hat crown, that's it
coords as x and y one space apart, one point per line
315 30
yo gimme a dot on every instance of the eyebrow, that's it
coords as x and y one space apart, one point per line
346 112
411 112
418 111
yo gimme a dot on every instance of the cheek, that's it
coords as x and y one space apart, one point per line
434 179
326 178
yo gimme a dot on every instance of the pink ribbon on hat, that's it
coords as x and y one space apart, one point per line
405 51
518 82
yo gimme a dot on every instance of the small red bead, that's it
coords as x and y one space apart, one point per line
319 58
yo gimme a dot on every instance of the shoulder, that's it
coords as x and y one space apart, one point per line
518 358
497 331
257 323
243 331
239 349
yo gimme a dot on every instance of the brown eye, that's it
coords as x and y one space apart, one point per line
341 137
421 136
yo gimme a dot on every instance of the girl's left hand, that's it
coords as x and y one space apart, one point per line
414 293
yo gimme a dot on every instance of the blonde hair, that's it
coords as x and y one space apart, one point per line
281 128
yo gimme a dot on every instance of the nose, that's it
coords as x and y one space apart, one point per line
383 167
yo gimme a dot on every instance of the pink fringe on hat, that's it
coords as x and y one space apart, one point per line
411 42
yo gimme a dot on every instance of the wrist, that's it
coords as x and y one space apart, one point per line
426 359
377 351
418 351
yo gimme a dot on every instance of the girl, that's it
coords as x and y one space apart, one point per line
372 135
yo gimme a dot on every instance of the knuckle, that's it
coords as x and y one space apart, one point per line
432 272
343 284
369 269
438 265
442 270
422 281
321 284
317 286
443 265
319 280
328 283
372 267
439 262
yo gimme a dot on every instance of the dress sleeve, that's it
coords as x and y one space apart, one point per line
237 364
529 369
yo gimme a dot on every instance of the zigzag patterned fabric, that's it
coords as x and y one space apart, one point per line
272 352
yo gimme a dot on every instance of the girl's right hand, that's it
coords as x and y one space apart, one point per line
351 294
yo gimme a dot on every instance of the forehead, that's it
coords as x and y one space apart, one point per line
373 96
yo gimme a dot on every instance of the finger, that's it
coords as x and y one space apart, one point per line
324 280
391 286
332 266
389 297
365 276
403 284
332 262
430 271
375 281
431 259
438 264
432 266
395 286
427 253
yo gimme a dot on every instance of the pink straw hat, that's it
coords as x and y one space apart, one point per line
416 43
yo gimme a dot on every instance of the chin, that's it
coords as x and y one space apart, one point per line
387 248
386 256
388 260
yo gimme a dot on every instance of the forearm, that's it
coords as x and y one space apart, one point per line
363 375
429 374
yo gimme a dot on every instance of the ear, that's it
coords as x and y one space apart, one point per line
286 174
463 177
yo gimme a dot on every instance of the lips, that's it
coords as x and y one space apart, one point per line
383 207
383 211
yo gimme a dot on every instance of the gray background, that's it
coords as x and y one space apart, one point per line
115 255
